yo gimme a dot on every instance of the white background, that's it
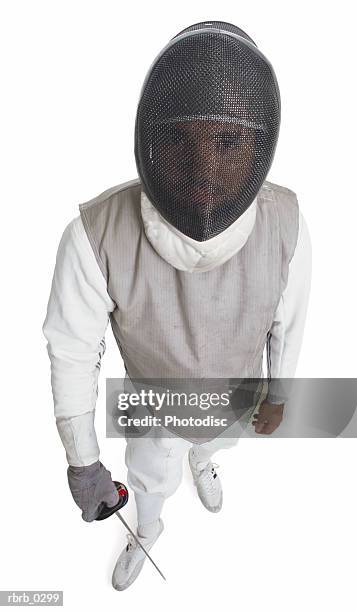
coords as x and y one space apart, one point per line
71 76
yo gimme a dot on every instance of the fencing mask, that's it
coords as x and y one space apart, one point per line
206 128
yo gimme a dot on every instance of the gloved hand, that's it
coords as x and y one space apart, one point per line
91 485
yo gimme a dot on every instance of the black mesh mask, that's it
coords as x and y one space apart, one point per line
206 128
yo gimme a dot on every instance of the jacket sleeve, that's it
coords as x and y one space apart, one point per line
75 325
285 337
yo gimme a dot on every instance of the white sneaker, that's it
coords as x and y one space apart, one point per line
206 479
131 560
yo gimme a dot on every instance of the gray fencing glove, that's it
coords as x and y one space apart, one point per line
91 485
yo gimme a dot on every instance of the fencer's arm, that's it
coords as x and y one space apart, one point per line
286 334
77 318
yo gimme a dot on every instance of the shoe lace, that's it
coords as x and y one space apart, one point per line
130 548
131 542
209 475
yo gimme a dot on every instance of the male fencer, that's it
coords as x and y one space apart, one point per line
199 264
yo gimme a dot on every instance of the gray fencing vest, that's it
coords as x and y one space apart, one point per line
174 324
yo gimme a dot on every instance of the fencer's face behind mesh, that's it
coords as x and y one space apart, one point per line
209 162
206 130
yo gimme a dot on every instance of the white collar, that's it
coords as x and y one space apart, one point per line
190 255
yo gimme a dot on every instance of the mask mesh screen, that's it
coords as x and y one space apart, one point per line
206 130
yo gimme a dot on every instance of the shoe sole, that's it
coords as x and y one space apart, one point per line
213 509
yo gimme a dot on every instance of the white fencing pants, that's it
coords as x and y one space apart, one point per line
155 470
